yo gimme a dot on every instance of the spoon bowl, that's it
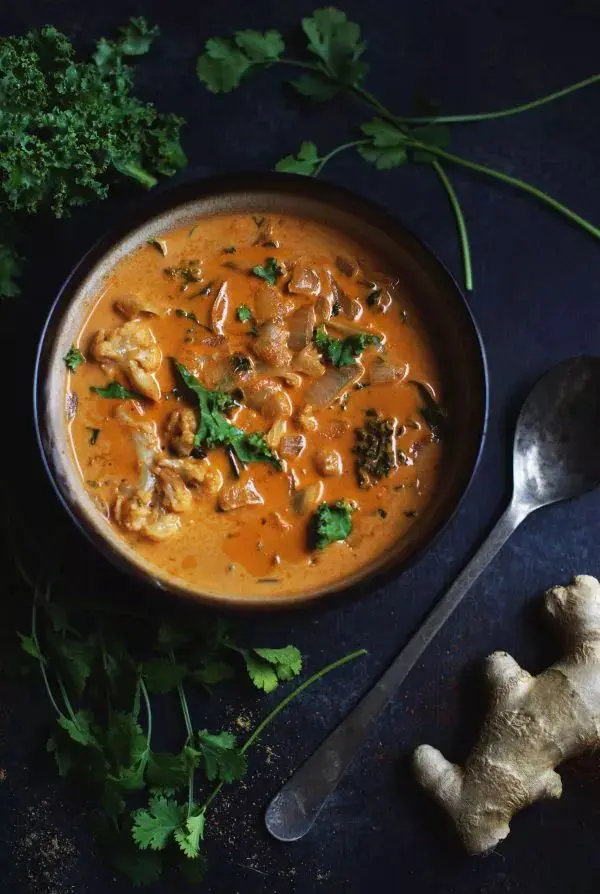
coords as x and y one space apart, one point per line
557 441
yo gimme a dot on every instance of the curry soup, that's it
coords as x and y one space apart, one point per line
266 416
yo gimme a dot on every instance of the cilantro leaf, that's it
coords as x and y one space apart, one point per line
73 358
153 826
116 391
388 147
331 522
125 744
212 672
28 645
315 87
260 48
80 728
271 271
167 770
337 44
243 313
437 135
222 759
189 838
225 62
115 841
161 675
215 430
267 667
74 658
343 351
305 162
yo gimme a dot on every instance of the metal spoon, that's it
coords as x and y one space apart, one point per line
556 457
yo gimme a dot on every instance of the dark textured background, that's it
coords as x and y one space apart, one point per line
537 302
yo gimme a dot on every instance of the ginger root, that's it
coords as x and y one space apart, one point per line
533 724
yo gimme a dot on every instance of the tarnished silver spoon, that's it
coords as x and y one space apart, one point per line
556 457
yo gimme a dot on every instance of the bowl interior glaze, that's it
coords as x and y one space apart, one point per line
440 302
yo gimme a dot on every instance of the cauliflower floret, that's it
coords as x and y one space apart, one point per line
197 473
133 511
180 431
164 527
133 348
175 497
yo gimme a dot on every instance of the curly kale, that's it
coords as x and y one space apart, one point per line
375 449
70 128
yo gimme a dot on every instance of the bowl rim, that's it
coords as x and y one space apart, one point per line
194 189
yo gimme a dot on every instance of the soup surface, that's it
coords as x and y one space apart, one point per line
257 413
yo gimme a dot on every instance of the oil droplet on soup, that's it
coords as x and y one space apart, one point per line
258 412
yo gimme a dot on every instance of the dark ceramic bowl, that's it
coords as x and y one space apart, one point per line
440 301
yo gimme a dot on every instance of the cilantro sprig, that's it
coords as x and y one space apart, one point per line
100 676
343 351
335 64
330 523
73 358
270 271
215 430
116 391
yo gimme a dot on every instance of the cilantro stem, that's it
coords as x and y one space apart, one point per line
41 659
512 181
185 710
283 704
323 161
298 63
500 113
460 223
146 698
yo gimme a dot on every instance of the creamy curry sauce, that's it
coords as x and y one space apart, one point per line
182 506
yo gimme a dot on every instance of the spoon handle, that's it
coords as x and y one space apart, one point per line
294 809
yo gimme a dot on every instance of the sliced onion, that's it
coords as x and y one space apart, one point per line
308 361
271 345
301 324
383 373
235 496
329 387
275 434
292 446
291 379
304 280
351 307
269 304
133 307
218 314
307 500
347 265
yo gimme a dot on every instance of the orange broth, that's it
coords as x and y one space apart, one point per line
260 549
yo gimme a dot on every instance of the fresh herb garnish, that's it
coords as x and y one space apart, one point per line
215 430
116 391
343 351
100 678
187 315
94 435
331 522
160 245
435 415
73 358
243 313
70 128
271 271
334 64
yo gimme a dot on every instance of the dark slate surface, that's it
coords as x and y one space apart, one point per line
536 301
